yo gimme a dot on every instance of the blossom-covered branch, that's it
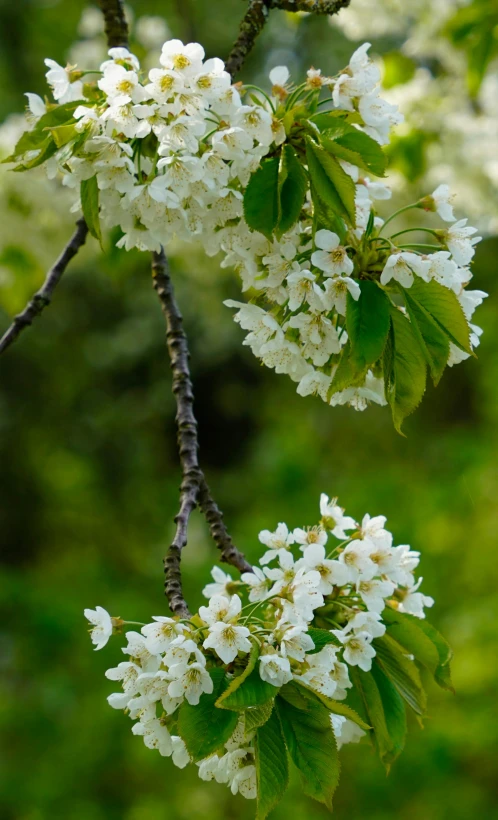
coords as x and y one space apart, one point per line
43 296
256 17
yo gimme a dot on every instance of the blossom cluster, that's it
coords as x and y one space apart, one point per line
171 151
313 608
173 154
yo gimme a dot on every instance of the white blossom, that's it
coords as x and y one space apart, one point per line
102 626
227 640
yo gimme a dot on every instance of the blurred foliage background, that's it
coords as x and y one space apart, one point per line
89 473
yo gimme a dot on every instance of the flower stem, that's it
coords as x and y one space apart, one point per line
397 213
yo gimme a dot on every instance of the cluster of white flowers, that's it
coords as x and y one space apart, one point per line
335 578
172 154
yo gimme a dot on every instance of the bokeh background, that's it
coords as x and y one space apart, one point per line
89 474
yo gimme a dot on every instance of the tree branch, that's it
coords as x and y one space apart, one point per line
193 489
251 25
43 297
256 17
116 27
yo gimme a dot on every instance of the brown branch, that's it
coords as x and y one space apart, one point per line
116 27
43 297
193 489
256 17
311 6
219 533
251 25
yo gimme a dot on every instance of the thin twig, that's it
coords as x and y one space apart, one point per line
43 297
310 6
116 30
256 17
219 533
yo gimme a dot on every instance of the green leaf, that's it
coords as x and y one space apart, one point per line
346 374
424 642
90 206
47 149
357 148
433 341
385 711
258 715
330 121
292 187
234 684
402 672
261 198
37 137
444 307
252 691
204 728
330 183
404 369
337 707
272 768
367 323
62 134
321 637
312 747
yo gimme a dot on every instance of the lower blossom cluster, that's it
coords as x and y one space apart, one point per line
313 608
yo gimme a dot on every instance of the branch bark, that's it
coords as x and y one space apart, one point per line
116 27
256 17
251 25
43 296
193 489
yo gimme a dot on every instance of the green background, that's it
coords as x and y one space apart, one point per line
89 476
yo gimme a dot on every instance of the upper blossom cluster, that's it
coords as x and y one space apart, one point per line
280 184
337 575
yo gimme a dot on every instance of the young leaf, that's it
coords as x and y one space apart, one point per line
90 206
272 768
384 709
347 373
261 198
402 672
36 138
62 134
444 307
367 323
394 713
258 715
234 684
253 691
335 706
357 148
46 150
321 637
292 187
423 641
331 122
433 341
312 747
204 728
333 186
405 379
